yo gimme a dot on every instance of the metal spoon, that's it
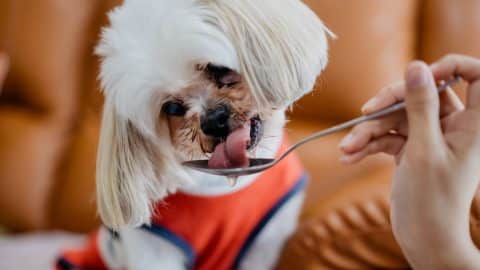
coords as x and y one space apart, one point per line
260 164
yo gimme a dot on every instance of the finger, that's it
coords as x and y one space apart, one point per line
387 96
395 93
473 96
4 65
389 144
466 67
457 65
363 133
450 103
422 105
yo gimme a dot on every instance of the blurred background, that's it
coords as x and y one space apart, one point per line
50 105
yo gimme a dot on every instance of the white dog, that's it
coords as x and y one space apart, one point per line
199 79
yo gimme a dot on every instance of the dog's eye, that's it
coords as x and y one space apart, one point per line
173 108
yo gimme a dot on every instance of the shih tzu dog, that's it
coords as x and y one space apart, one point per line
199 79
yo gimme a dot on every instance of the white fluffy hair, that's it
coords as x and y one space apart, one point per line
151 49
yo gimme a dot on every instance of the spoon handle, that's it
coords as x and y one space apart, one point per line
391 109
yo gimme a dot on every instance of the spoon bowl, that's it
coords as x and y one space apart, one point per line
256 165
261 164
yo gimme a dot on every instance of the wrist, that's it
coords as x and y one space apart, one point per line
442 225
460 255
443 253
471 258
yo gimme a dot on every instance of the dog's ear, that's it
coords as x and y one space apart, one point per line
122 173
222 76
133 171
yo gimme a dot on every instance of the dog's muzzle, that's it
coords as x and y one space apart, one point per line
215 122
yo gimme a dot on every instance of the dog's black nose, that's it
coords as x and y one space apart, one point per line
215 122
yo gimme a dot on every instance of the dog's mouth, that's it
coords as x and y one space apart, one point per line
256 132
232 152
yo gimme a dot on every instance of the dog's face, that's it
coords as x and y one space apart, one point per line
204 114
182 79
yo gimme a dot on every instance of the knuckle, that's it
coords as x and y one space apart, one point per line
451 57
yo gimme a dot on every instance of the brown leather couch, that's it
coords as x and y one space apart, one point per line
50 108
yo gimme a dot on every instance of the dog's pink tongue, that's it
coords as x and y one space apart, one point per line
233 152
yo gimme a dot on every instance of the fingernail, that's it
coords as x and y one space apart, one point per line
371 104
417 76
346 141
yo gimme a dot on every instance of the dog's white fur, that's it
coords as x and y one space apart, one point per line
150 51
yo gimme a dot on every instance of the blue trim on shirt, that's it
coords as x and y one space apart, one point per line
64 264
175 240
299 186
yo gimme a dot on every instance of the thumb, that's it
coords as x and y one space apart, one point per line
422 104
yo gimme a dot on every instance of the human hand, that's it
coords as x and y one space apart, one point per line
436 144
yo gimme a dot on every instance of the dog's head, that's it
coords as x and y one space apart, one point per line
182 76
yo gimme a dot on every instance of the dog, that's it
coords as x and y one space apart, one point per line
199 79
